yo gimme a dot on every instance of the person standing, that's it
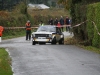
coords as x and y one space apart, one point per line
51 21
56 21
1 30
59 26
28 30
62 23
67 22
41 23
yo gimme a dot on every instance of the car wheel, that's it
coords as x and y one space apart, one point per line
54 41
61 41
33 43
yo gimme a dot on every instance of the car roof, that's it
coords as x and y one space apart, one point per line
49 26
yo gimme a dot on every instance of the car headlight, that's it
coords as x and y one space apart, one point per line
61 36
33 35
50 35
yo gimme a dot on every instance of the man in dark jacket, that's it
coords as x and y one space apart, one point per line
28 30
51 21
67 22
62 22
56 21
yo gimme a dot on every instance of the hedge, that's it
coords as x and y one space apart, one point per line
93 14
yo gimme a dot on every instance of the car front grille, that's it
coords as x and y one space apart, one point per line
41 35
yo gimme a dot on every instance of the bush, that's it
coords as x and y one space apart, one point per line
93 15
81 11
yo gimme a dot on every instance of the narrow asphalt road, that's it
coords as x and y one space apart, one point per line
28 59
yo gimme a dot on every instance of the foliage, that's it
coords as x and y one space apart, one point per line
80 12
16 18
5 62
8 4
86 32
93 15
13 33
65 3
45 15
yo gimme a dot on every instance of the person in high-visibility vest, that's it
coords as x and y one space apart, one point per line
28 30
41 23
1 30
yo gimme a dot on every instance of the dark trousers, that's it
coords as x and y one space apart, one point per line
28 34
68 28
62 29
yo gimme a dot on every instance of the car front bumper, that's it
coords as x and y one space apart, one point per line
46 40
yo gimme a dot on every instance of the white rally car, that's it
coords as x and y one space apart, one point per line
47 34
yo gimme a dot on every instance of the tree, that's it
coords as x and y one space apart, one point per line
65 3
8 4
78 13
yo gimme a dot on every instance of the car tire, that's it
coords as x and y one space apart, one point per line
33 43
61 41
54 41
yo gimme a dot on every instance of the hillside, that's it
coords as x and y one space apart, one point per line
46 14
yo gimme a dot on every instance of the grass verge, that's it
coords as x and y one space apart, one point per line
73 41
5 62
90 48
14 34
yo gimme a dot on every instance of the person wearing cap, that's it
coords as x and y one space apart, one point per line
28 30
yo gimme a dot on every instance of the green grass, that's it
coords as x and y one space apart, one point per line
14 34
73 41
10 36
91 48
5 62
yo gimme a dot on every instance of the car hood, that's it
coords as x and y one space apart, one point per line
43 32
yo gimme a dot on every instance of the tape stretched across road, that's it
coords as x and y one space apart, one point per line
19 27
85 22
61 26
96 27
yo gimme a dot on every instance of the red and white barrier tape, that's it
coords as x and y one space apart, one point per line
96 27
18 27
85 22
60 26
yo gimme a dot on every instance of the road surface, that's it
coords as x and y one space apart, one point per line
28 59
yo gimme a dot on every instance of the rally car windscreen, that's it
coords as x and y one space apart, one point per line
46 29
